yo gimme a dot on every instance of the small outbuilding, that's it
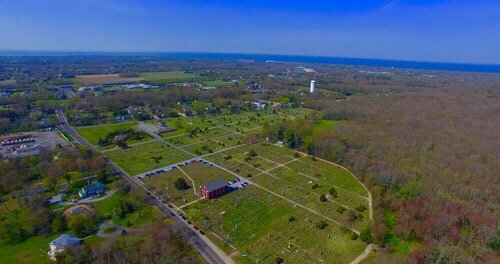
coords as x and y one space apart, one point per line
214 189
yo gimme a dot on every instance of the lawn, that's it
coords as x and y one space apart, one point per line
146 157
32 250
142 216
163 185
167 76
93 133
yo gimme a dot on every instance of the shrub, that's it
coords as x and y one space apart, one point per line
333 192
181 184
366 236
321 224
322 198
360 208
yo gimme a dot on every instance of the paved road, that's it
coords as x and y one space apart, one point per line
209 251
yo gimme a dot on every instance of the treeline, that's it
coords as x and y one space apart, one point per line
20 172
431 159
162 243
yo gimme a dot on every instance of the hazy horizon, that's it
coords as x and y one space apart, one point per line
417 30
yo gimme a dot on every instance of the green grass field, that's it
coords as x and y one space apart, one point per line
93 133
138 159
258 225
32 250
324 126
160 76
163 185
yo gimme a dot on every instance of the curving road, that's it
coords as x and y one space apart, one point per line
209 250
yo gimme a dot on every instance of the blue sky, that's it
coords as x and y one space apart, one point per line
423 30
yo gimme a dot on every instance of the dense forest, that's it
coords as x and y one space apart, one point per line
430 157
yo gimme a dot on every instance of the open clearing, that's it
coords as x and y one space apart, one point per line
93 133
166 76
98 79
146 157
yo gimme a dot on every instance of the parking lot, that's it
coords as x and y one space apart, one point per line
42 140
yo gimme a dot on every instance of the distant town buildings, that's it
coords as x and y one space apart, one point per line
214 189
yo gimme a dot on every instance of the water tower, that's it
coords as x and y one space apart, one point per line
311 89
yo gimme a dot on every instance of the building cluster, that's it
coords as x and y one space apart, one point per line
14 140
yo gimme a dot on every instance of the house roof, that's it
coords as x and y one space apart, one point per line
78 209
93 186
217 184
65 241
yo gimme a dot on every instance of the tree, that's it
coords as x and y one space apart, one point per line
181 184
322 198
123 144
366 236
252 153
59 224
333 192
82 225
321 224
278 260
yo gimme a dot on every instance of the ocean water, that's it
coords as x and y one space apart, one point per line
279 58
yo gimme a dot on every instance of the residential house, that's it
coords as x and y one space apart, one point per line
59 244
94 188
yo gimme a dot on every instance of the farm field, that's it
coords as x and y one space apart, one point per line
93 133
98 79
146 157
161 76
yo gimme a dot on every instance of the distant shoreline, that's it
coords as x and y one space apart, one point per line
419 65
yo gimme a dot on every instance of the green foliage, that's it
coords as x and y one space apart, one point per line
360 208
59 224
366 236
411 190
322 198
82 225
181 184
321 224
252 153
333 192
292 219
278 260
